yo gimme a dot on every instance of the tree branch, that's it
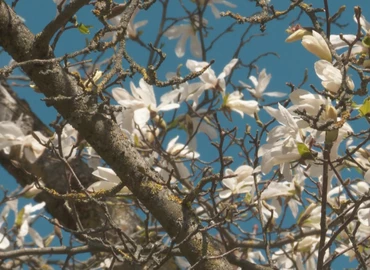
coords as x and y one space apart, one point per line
81 110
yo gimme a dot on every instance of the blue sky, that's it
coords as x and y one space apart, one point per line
289 66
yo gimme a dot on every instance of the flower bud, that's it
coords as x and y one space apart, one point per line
297 35
316 44
331 135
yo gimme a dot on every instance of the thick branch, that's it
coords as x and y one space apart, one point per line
111 144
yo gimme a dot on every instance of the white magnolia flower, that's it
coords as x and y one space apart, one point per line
242 182
142 102
208 78
331 76
281 147
132 27
235 103
183 32
362 156
364 210
255 256
4 242
260 86
275 189
305 100
358 47
93 159
316 44
108 179
212 3
24 218
11 134
68 140
180 150
107 263
10 205
296 33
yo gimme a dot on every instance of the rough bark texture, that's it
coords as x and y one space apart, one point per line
92 121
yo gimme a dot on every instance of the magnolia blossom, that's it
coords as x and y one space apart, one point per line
107 263
142 102
242 182
331 76
362 156
235 103
316 44
281 147
275 189
132 27
296 33
11 134
4 242
255 256
24 218
293 255
305 100
260 86
184 32
177 151
108 180
208 78
180 150
358 47
68 139
93 159
212 3
364 210
9 205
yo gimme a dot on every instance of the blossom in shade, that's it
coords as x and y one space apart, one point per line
107 180
11 134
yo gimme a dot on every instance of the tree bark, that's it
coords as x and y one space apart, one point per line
83 112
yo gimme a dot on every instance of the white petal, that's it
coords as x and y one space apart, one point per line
4 242
274 94
121 94
224 194
364 216
227 69
106 174
101 185
215 11
230 182
36 237
141 116
195 46
168 107
172 143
